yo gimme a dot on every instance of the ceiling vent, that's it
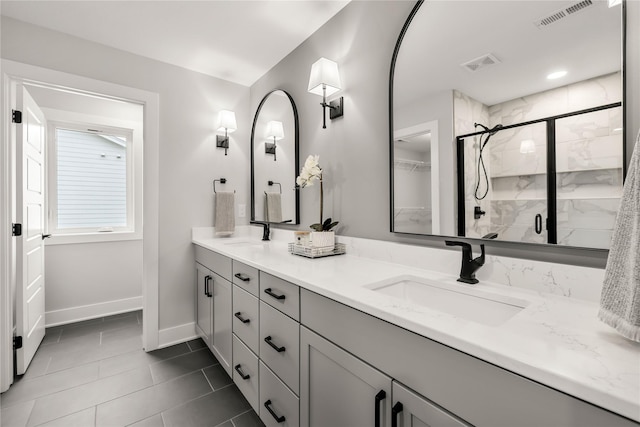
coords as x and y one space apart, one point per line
480 62
560 14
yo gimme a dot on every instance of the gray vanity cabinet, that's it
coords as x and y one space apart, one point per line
213 304
411 409
338 389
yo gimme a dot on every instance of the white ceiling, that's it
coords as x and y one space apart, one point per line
446 34
238 41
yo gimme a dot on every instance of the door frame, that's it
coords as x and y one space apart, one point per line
16 71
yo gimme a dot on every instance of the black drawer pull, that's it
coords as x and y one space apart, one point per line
275 347
269 292
242 277
239 317
395 411
206 286
279 419
242 374
379 398
538 224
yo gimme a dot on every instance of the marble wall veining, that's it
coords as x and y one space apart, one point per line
588 164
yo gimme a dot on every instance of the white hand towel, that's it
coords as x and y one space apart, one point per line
273 205
620 299
225 215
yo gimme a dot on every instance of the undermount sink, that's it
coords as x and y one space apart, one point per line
457 300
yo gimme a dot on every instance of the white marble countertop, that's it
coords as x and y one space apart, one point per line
555 340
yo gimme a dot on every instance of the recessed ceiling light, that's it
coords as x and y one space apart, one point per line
556 75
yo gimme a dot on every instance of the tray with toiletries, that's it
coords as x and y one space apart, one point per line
312 252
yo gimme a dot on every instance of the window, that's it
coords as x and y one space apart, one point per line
91 174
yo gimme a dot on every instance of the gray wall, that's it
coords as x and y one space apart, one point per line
354 149
189 160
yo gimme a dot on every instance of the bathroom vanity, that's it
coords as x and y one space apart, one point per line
351 340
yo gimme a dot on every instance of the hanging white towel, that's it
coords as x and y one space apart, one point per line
225 215
273 206
620 299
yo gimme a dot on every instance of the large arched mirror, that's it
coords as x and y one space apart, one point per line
274 160
507 121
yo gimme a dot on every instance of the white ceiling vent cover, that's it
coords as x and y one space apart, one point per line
560 14
480 62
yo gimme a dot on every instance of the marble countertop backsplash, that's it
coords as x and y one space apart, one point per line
556 340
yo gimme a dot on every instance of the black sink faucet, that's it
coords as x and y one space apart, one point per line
266 229
469 264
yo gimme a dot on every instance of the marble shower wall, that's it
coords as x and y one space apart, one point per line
466 112
589 163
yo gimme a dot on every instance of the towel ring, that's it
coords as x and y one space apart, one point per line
275 183
221 181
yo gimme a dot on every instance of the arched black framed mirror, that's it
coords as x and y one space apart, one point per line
486 143
275 160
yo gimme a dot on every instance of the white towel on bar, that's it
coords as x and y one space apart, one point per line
620 299
273 207
225 215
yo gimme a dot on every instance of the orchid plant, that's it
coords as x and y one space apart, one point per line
310 172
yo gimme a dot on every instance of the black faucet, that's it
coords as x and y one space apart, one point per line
469 264
266 229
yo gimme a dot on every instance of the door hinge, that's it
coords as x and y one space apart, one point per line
16 116
16 229
17 343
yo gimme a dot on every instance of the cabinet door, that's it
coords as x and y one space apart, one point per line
338 389
411 409
203 303
222 307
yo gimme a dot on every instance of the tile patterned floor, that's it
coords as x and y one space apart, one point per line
95 373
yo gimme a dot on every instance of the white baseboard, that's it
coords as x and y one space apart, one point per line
177 334
92 311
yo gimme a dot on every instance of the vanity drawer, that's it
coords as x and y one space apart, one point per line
280 345
246 277
278 293
276 396
245 372
215 262
245 318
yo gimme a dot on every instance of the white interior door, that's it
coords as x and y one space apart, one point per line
30 212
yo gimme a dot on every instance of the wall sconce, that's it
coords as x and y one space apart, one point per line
325 80
275 130
226 123
527 146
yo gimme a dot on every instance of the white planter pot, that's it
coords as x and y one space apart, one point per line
323 239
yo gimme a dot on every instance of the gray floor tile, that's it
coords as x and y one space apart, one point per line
226 424
51 336
152 400
138 358
16 415
248 419
209 410
86 418
217 376
29 389
61 361
155 421
113 335
85 396
196 344
181 365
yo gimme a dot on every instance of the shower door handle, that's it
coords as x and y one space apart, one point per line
538 224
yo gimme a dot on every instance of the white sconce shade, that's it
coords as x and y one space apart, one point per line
227 121
324 80
528 146
324 72
275 130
